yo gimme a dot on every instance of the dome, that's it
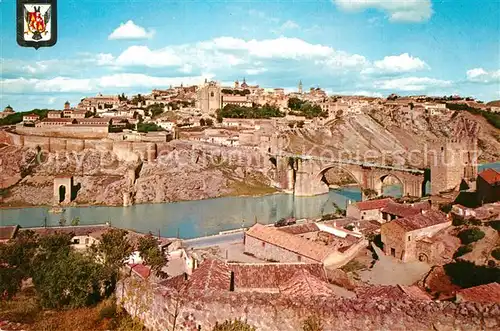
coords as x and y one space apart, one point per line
8 109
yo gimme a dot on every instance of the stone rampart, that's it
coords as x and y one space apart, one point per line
156 307
81 132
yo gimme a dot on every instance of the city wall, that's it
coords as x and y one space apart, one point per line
160 309
75 131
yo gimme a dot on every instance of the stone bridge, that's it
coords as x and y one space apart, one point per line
303 175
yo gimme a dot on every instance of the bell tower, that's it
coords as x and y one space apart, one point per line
300 86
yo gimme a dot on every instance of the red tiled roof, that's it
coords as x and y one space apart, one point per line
300 228
491 176
373 204
303 284
92 120
422 220
8 232
488 293
387 292
212 274
141 270
271 275
289 242
405 210
59 120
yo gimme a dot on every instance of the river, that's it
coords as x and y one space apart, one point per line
190 219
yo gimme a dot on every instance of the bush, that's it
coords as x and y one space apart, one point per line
107 308
312 323
445 207
470 235
495 225
458 220
496 253
235 325
462 250
467 274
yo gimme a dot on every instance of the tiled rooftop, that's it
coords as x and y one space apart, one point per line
373 204
303 284
405 210
422 220
488 293
491 176
290 242
271 275
391 292
8 232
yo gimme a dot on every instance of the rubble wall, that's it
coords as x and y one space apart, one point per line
156 307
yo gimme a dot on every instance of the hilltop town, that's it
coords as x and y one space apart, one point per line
123 150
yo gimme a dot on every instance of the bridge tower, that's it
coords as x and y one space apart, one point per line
452 161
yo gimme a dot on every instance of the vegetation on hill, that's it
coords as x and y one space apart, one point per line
494 103
256 111
492 118
300 107
66 278
236 92
467 274
496 253
235 325
148 127
18 117
470 235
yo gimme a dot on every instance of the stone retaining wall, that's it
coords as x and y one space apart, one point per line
156 307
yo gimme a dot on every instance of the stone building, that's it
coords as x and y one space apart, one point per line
6 112
99 103
368 210
237 100
30 118
452 161
488 186
408 239
395 210
208 97
55 114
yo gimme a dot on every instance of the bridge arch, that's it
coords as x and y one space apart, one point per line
379 185
357 176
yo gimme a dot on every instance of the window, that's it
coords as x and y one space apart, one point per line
409 238
263 244
76 241
299 258
212 94
393 252
86 241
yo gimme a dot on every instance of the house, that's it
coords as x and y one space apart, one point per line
54 114
488 186
326 245
237 100
395 210
30 118
368 210
6 112
78 114
51 122
487 294
410 238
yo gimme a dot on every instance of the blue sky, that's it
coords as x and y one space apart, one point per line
369 47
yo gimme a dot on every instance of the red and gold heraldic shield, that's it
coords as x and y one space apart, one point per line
36 23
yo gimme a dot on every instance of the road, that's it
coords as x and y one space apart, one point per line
214 240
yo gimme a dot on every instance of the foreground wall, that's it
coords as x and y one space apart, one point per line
160 309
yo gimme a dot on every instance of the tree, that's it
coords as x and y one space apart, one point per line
70 280
152 255
470 235
75 221
235 325
62 221
16 261
209 122
202 122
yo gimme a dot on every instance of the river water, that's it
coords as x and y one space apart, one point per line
189 219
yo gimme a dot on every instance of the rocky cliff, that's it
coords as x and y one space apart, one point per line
395 134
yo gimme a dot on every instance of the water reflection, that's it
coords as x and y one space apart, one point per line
191 218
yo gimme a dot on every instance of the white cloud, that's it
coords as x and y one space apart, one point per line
130 31
142 55
255 71
109 82
288 25
411 83
397 64
479 75
398 10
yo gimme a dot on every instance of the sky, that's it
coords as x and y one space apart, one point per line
353 47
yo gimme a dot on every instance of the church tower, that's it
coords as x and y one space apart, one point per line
300 86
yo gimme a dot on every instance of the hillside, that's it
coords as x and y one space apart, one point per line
393 135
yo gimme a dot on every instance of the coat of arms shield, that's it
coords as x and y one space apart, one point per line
36 23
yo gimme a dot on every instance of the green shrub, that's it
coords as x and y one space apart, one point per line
235 325
312 323
458 220
470 235
496 253
474 221
462 250
467 274
445 207
495 225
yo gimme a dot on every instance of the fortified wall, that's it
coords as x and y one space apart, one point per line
162 309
